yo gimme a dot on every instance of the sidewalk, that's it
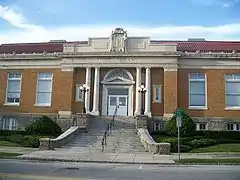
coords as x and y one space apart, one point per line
99 157
129 158
19 150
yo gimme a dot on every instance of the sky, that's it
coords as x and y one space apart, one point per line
74 20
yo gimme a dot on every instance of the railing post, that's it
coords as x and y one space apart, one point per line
105 138
102 144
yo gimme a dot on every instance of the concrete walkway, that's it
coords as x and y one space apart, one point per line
129 158
18 150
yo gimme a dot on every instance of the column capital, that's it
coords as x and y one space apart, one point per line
170 67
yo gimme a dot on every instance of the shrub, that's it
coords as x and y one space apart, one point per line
9 133
44 126
15 138
234 135
187 129
31 141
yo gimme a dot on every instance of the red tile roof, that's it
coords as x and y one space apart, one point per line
204 46
31 48
189 46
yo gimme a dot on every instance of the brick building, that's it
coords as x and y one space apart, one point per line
201 77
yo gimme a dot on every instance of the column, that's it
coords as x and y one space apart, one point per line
148 93
138 95
95 110
170 90
88 84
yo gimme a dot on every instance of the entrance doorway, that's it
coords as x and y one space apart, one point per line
121 102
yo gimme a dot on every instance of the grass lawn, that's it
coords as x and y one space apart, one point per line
218 148
209 161
7 143
8 155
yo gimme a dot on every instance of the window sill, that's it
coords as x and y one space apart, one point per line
157 102
42 105
78 100
232 108
198 107
12 104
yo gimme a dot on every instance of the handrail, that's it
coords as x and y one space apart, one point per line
108 129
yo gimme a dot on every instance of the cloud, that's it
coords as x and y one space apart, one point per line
222 3
29 32
16 19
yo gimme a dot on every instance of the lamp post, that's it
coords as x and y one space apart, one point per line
84 89
142 90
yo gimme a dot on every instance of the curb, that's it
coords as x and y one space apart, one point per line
91 161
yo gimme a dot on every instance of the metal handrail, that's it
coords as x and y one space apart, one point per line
108 129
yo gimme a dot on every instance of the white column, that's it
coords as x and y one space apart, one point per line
138 96
88 84
148 93
95 110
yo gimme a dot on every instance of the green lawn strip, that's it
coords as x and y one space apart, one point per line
9 155
9 144
218 148
208 161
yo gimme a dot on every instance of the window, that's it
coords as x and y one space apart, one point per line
44 89
197 90
13 90
9 124
201 126
157 93
232 91
233 127
156 126
79 93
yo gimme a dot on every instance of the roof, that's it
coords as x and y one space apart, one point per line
204 46
31 48
189 46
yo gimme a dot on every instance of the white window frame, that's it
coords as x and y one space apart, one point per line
189 90
9 124
20 84
155 87
78 91
199 126
233 126
155 125
50 91
235 78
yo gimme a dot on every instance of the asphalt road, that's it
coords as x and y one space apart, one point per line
33 170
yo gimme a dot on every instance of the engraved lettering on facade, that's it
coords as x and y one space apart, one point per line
118 40
118 60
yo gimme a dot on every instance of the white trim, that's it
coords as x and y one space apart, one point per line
155 126
198 125
226 94
154 93
105 98
189 91
20 89
234 125
36 100
77 93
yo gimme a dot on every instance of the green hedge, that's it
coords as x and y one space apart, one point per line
187 129
44 126
234 135
9 133
24 140
189 143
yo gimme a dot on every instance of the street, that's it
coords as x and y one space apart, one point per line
33 170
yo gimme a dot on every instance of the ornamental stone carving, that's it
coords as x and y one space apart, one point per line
118 73
118 40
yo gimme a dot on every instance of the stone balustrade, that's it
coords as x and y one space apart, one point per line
150 145
50 144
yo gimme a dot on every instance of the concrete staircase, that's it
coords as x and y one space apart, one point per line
122 140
